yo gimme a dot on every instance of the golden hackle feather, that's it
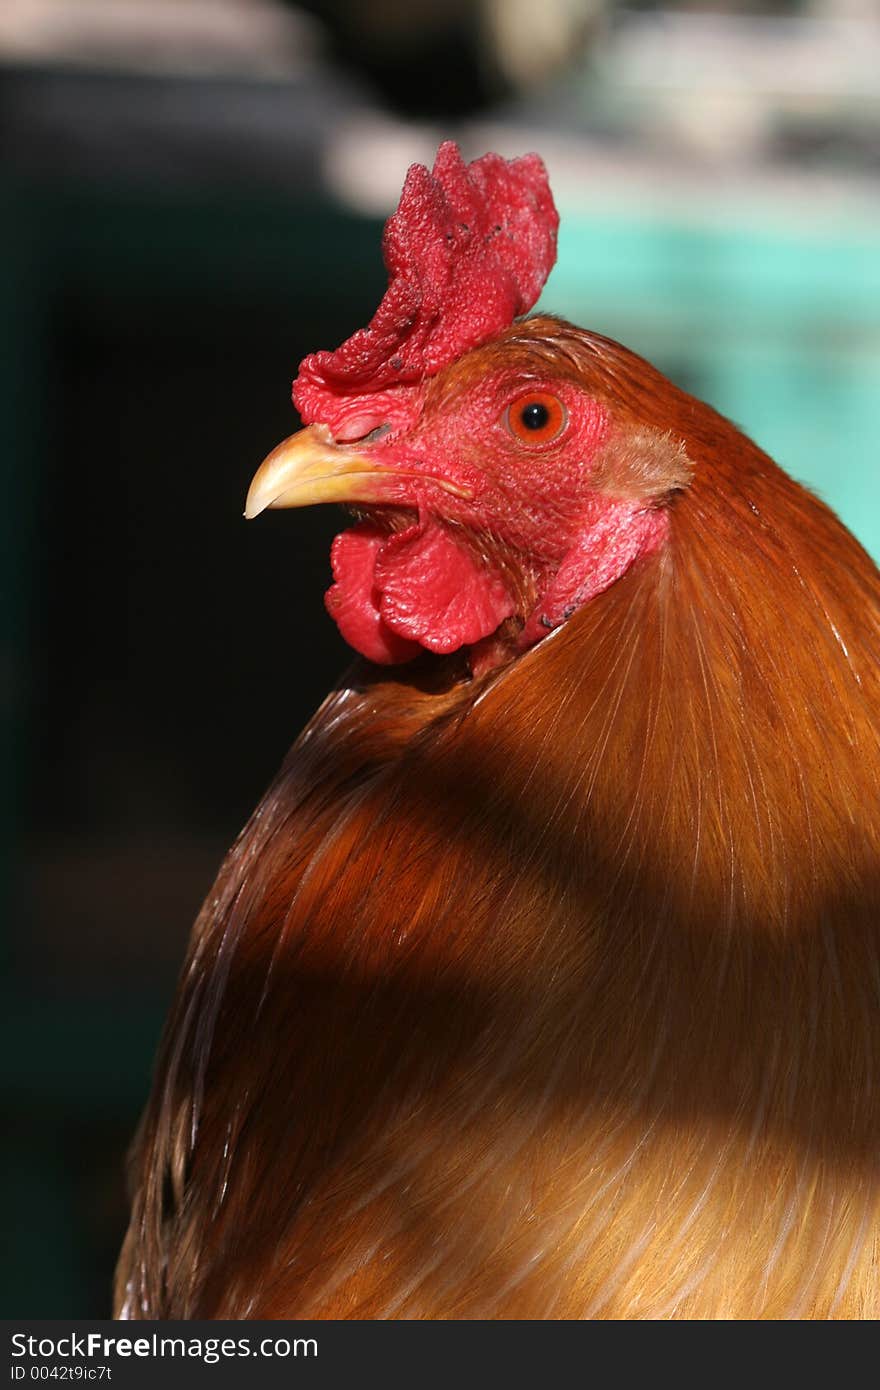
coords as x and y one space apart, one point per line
556 993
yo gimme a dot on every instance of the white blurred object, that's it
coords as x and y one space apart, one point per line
363 161
718 83
833 52
242 37
530 43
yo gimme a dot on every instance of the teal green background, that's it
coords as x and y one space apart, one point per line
777 326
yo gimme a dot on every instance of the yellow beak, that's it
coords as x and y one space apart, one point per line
309 467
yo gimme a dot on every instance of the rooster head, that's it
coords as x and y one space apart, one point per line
494 490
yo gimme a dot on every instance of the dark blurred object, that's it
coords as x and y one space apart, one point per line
437 58
163 131
424 58
170 328
450 58
152 325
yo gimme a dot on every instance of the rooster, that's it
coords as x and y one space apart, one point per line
544 981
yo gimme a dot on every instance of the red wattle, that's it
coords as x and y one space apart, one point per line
416 589
435 593
353 602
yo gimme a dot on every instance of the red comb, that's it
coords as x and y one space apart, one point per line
467 250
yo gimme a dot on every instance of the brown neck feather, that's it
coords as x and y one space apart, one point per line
594 938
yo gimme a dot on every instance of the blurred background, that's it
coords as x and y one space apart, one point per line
191 197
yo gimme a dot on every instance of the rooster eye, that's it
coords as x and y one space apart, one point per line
536 418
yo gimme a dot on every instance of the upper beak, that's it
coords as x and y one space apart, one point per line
307 468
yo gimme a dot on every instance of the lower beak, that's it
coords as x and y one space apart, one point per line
308 468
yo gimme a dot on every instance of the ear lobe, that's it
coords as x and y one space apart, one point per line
598 557
642 464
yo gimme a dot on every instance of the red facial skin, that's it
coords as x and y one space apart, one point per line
526 536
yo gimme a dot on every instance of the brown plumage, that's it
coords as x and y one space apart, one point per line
554 992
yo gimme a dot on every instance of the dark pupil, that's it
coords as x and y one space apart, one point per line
535 416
